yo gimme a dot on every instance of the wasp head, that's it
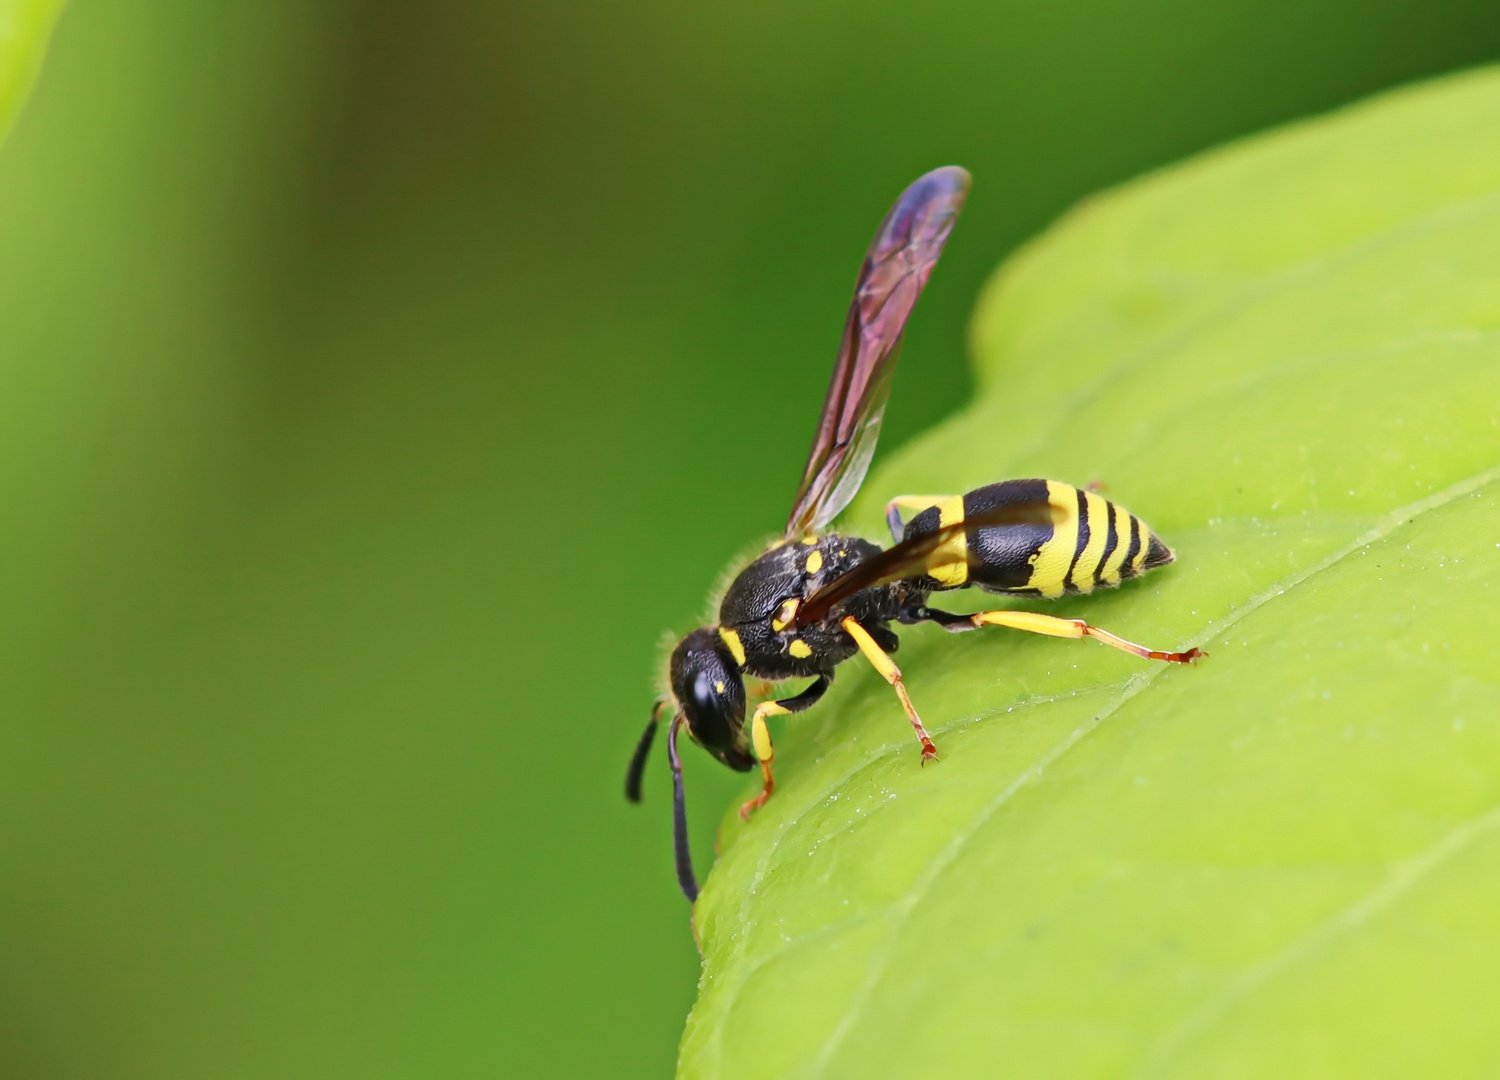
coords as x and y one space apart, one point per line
708 687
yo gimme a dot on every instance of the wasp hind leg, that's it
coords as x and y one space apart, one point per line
1035 623
882 663
908 502
760 737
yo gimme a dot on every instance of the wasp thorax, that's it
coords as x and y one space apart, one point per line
707 684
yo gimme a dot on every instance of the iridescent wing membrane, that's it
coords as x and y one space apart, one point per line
896 267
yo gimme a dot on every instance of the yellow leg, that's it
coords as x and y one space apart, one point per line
1035 623
908 502
887 667
760 735
760 739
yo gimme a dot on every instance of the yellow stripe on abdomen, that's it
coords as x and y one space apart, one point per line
1145 545
1049 566
1110 573
949 563
1082 577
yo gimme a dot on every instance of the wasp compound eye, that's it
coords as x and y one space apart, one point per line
708 686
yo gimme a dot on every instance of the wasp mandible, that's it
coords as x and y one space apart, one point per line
814 599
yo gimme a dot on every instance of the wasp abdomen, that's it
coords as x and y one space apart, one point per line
1088 541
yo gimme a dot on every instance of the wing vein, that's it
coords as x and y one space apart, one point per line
895 269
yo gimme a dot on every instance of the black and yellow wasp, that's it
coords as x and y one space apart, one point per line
813 599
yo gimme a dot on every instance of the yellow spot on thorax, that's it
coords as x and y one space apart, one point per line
949 562
799 649
736 647
815 562
719 685
1049 566
785 614
809 540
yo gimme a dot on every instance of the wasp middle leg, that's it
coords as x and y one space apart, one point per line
882 663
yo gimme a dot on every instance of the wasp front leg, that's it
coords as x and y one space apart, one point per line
760 736
1036 623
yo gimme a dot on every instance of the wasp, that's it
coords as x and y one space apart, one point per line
813 599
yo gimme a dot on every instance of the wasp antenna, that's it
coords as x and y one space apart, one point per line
680 847
638 759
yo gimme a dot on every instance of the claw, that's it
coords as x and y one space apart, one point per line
750 806
1192 656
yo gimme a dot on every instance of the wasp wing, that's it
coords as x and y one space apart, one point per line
896 267
911 558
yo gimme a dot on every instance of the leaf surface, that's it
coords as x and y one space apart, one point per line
25 26
1284 356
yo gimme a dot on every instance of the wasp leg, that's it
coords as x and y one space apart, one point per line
908 502
1035 623
887 668
760 736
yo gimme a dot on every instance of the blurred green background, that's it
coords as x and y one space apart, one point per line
379 381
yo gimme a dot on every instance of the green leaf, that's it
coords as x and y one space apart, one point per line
25 26
1285 356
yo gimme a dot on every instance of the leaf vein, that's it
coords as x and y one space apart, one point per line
1400 881
1246 295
